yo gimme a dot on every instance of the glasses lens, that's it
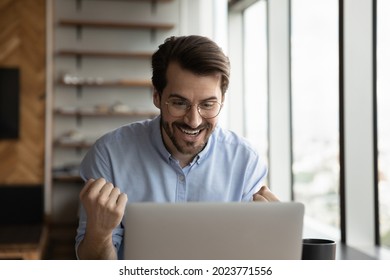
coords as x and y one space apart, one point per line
177 109
209 110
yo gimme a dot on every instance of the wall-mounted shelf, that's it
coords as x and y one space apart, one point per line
115 24
75 144
152 1
103 83
108 54
81 113
67 179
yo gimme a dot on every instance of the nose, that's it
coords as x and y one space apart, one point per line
193 118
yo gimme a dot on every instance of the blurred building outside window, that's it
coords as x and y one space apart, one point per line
315 109
255 76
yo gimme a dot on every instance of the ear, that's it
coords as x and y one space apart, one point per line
156 99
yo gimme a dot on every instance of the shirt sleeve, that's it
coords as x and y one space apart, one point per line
95 165
255 174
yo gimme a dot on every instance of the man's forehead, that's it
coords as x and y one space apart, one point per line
180 96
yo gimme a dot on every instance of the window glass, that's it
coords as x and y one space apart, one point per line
256 78
383 95
315 117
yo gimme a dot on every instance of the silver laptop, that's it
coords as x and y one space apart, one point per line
213 231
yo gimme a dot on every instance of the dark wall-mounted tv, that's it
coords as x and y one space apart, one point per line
9 103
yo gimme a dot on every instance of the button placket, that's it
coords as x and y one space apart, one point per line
181 187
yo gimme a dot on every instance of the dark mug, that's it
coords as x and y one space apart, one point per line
318 249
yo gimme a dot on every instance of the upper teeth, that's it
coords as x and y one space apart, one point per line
193 132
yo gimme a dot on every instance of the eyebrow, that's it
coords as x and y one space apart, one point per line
176 95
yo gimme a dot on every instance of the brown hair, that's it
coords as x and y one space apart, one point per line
197 54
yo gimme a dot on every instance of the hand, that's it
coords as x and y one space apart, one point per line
264 194
104 205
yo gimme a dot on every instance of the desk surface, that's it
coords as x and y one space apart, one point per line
343 251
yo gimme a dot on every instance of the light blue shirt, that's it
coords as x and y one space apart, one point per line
134 158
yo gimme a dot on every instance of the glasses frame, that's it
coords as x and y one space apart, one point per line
197 107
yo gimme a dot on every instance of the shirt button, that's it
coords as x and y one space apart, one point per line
181 178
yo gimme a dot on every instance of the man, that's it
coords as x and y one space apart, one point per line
182 155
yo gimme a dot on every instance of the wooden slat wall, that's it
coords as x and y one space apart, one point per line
22 44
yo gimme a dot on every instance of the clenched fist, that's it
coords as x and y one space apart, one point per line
104 205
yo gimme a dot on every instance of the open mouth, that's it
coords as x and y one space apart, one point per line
190 132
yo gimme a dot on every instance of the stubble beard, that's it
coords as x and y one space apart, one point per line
188 147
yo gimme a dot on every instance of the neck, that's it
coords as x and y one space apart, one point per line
184 161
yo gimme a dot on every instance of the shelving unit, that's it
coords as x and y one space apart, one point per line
101 56
79 82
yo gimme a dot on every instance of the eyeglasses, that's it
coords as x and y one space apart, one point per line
207 109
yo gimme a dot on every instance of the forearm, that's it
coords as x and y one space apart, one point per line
104 207
92 248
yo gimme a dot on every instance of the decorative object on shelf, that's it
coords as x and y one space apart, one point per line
117 109
71 137
69 79
67 172
76 80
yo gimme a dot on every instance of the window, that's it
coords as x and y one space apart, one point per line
314 95
314 125
255 78
383 99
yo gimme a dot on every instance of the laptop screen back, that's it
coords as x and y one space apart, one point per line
203 230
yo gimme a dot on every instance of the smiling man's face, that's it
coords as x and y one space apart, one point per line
186 136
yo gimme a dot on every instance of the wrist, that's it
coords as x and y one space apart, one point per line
98 245
98 236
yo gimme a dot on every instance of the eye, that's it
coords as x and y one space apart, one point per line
179 103
207 105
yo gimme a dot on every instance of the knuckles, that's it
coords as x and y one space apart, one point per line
102 197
